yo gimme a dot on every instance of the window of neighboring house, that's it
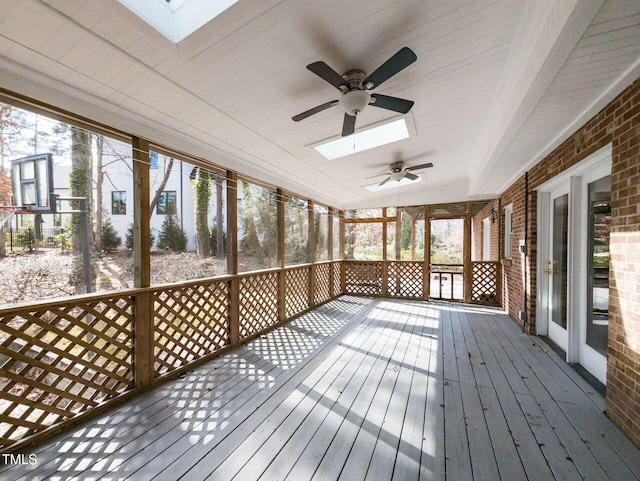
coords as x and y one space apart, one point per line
119 203
167 203
508 247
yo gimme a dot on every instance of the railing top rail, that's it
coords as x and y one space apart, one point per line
66 301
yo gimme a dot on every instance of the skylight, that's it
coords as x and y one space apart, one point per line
177 19
365 139
392 184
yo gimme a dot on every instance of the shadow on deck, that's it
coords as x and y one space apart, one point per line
358 389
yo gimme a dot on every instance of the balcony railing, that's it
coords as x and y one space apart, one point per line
406 279
447 282
66 359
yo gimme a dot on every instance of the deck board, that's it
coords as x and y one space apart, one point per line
359 389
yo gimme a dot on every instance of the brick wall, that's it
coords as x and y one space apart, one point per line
619 124
477 232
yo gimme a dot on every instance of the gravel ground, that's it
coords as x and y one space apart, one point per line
42 275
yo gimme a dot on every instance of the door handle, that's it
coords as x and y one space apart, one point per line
552 271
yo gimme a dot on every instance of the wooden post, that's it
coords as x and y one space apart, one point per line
398 244
282 313
143 308
332 289
468 268
232 257
341 251
426 265
385 264
500 251
312 252
398 233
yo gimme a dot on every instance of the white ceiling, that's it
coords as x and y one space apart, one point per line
497 84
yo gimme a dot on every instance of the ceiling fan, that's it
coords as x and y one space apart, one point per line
354 86
399 172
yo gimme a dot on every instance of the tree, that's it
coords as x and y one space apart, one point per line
99 183
128 242
202 197
110 238
297 230
5 199
258 218
10 124
172 237
80 183
220 240
165 179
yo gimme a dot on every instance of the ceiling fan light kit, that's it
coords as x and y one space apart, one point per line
354 102
354 87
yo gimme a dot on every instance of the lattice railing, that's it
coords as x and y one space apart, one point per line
323 283
337 278
404 279
296 288
484 287
363 277
60 359
258 302
190 322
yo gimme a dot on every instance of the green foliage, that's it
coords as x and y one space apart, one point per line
128 241
405 233
202 198
172 237
213 239
63 240
110 238
441 256
26 238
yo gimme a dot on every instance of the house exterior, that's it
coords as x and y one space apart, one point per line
177 197
613 136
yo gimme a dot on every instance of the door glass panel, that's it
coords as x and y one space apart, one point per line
598 263
559 260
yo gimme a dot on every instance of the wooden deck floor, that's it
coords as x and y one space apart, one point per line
359 389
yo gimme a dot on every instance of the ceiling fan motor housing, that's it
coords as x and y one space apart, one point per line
356 99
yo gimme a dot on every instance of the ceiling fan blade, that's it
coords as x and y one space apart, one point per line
326 73
399 61
315 110
377 175
392 103
421 166
410 176
384 181
349 125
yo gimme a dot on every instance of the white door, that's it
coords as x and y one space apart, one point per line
593 330
574 220
557 266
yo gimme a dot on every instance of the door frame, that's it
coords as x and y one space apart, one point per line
576 177
544 253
